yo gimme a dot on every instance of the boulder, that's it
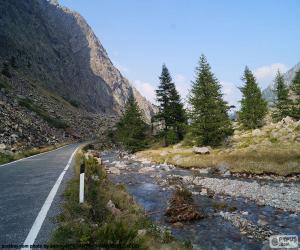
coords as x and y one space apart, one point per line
112 208
202 150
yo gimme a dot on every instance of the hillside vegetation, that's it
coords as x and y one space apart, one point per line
272 149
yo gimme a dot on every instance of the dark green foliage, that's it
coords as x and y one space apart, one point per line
5 70
295 87
132 129
253 106
54 122
171 113
210 123
282 101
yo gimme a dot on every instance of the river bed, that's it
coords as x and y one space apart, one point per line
239 223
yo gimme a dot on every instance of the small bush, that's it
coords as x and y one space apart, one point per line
4 158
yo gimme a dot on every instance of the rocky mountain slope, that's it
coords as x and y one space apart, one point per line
288 77
58 48
60 83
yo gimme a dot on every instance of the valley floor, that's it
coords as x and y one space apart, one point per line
239 212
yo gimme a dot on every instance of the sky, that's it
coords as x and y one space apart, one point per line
141 35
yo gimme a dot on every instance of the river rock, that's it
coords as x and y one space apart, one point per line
202 150
146 170
114 170
177 225
204 170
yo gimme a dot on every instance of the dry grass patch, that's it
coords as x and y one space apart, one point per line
279 159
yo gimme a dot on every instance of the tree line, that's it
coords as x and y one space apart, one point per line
206 120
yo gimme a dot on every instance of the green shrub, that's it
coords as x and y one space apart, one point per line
4 158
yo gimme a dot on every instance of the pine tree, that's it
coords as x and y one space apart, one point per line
132 129
210 123
253 106
295 87
171 113
282 102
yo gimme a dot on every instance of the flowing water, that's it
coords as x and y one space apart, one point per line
213 232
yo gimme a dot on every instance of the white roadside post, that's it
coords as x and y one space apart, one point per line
81 184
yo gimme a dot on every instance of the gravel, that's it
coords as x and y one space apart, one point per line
286 198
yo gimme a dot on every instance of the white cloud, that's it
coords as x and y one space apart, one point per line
182 85
231 93
269 71
146 89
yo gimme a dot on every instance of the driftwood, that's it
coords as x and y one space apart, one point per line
182 208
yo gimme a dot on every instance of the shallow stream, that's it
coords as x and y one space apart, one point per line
213 232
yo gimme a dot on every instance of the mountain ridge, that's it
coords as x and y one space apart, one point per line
288 76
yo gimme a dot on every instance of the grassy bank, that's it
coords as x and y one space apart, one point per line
93 225
5 158
279 159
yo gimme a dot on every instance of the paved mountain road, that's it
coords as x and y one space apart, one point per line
25 186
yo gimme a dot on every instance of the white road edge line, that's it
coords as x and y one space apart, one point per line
33 156
45 208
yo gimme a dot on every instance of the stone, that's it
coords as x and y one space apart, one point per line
204 170
223 168
114 170
262 222
2 146
112 208
141 232
146 170
202 150
203 191
227 173
177 225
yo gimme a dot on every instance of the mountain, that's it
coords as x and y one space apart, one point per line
57 47
288 77
60 83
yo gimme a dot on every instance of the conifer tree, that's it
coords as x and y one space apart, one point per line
210 123
171 112
282 101
295 87
253 106
132 129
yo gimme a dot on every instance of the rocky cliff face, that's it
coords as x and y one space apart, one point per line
58 49
268 93
60 84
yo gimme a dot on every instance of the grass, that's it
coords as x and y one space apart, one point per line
279 159
91 224
5 158
54 122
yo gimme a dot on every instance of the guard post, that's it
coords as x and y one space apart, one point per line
81 184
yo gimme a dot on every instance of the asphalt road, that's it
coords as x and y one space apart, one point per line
25 186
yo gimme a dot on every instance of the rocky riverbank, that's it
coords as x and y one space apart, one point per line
237 212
